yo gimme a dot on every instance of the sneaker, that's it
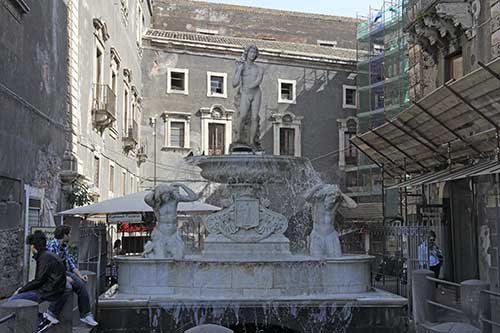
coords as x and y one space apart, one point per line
44 325
50 317
89 320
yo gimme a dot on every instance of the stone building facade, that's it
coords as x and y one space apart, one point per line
33 52
188 90
449 41
257 23
104 147
309 63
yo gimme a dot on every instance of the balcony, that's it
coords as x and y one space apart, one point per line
103 107
142 156
131 137
437 23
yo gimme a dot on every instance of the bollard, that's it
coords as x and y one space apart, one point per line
422 291
474 303
209 328
26 316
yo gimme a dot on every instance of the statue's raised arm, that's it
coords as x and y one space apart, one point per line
189 195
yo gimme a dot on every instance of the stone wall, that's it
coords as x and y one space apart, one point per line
259 23
11 247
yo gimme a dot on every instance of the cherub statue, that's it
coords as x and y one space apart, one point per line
165 240
325 200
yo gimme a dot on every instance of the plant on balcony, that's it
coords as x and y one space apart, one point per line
80 194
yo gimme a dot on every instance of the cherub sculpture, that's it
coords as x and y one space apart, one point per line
165 240
324 239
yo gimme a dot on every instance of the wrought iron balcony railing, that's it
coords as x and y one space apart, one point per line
103 106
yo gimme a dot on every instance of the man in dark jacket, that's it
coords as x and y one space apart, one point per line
50 278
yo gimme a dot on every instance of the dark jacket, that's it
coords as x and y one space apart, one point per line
50 276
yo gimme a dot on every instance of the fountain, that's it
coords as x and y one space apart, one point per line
246 278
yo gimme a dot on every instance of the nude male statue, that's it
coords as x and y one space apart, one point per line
248 76
324 239
165 240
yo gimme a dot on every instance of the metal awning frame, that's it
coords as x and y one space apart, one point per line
462 122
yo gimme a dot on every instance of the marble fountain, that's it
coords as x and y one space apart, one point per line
246 273
246 278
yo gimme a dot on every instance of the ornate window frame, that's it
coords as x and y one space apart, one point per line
216 114
343 128
181 117
287 120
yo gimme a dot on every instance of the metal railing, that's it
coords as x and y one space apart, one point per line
133 131
104 99
7 318
485 320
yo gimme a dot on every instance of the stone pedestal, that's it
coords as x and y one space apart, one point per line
474 304
25 316
422 290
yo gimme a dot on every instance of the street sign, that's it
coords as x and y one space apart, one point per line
125 218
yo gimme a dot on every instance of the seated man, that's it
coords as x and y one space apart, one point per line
59 247
50 279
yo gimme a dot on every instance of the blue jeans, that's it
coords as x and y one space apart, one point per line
55 307
80 288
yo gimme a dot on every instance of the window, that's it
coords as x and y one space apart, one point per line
96 171
97 75
111 178
327 43
126 101
287 91
177 134
350 151
287 141
287 134
455 67
124 181
216 129
216 84
207 31
216 139
177 128
177 81
350 97
139 23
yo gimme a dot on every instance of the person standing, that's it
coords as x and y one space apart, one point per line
59 246
430 255
49 283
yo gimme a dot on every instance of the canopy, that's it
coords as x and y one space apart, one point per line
133 203
457 121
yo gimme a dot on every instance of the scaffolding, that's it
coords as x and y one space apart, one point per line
382 82
383 65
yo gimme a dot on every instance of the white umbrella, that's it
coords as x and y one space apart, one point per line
134 203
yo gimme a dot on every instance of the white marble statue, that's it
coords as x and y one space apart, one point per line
248 77
165 240
325 200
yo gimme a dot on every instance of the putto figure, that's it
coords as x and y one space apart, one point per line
325 200
165 239
248 77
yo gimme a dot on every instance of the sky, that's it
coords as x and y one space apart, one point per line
329 7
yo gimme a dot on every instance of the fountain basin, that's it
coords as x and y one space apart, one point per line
250 279
246 168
